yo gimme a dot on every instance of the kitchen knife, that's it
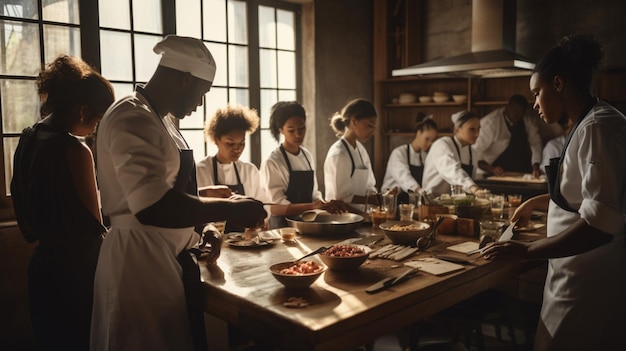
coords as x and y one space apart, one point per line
508 233
387 282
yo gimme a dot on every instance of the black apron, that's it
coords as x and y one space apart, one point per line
416 171
469 169
554 169
187 183
299 190
235 188
517 157
345 144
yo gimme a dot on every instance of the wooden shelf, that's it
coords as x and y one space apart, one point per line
427 104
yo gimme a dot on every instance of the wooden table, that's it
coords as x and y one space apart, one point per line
514 183
240 290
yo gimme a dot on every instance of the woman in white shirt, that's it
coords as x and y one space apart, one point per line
227 128
288 174
585 285
348 173
450 160
405 168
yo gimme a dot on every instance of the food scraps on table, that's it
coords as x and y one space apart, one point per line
302 267
296 302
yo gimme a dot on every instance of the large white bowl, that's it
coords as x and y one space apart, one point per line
459 98
440 99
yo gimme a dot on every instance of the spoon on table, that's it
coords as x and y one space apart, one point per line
424 242
319 250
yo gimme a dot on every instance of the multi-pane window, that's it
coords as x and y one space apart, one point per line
277 62
253 42
255 49
127 36
32 33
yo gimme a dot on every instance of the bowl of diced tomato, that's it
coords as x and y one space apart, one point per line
345 257
297 275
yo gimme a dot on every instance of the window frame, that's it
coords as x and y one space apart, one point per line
89 26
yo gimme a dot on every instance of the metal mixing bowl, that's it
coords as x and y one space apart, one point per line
327 224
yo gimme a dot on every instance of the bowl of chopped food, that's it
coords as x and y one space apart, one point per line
405 232
345 257
297 275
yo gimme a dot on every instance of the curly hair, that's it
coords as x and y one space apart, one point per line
229 118
68 82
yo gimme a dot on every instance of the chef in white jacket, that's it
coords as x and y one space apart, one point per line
405 167
583 300
450 160
146 279
348 173
509 140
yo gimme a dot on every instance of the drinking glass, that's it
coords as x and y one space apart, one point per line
514 200
457 191
389 203
497 206
406 212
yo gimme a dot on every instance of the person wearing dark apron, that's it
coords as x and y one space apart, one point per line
146 286
585 247
299 189
348 173
444 164
228 128
509 140
288 175
405 167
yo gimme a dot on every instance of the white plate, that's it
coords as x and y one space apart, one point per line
237 240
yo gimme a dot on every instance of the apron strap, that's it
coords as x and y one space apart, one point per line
345 144
553 171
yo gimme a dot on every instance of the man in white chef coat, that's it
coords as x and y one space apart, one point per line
509 140
146 281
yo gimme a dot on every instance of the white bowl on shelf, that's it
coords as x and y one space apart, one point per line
440 98
425 99
407 98
459 98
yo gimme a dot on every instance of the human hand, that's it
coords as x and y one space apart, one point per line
505 250
246 212
523 213
497 171
215 191
536 170
335 206
213 238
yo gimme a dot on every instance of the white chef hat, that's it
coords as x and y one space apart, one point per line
461 117
186 54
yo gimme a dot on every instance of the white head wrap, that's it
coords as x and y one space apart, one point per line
186 54
459 117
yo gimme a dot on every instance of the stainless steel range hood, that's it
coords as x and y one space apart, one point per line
493 46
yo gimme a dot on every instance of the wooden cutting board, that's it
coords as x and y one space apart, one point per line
434 266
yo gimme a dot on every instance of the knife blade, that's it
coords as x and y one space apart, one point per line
508 233
389 281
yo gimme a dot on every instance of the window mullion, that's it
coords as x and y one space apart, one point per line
254 80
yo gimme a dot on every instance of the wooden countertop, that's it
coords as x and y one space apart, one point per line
241 290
